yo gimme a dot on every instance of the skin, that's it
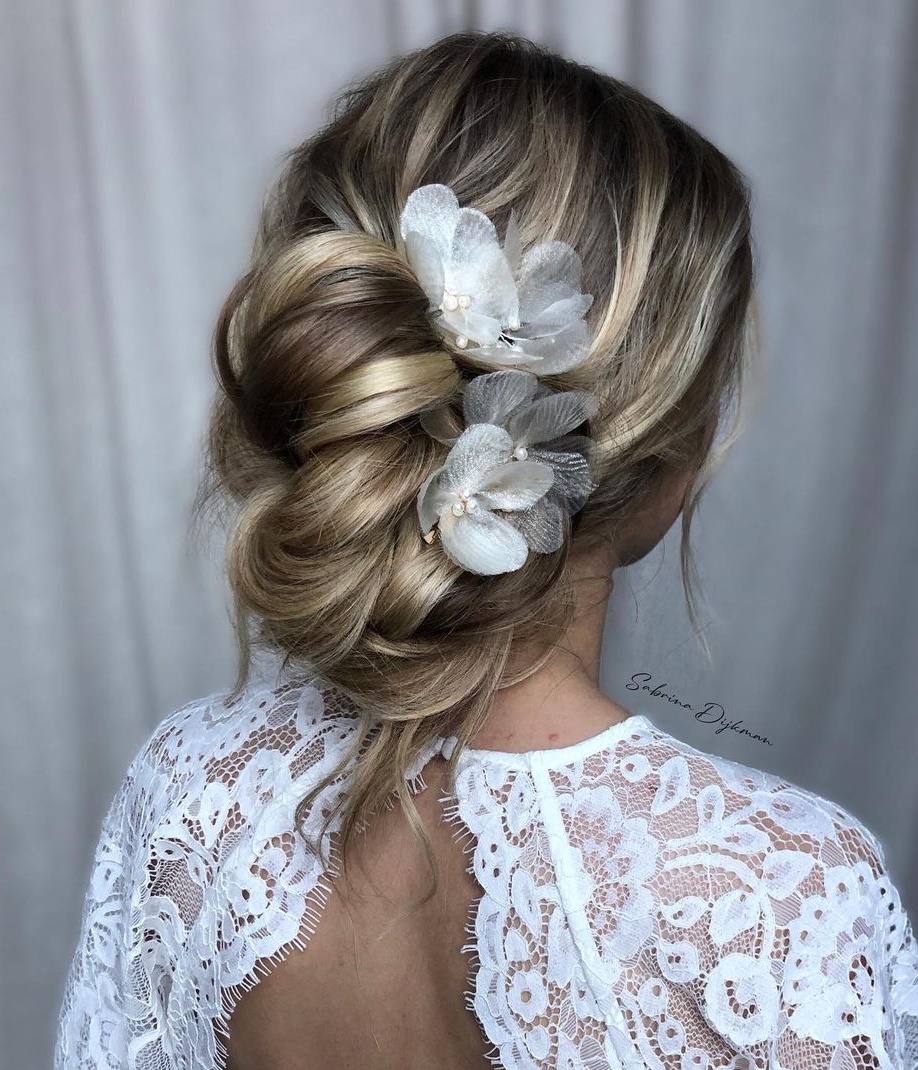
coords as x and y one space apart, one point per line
562 703
378 986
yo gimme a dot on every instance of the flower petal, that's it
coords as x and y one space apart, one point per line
490 398
477 327
432 500
573 481
427 263
542 525
474 233
501 357
442 423
477 266
482 542
515 485
557 316
476 451
558 352
549 272
513 249
432 211
550 416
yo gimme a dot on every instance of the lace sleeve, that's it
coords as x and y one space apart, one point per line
199 882
903 972
850 985
91 1028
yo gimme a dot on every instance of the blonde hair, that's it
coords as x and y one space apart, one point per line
326 358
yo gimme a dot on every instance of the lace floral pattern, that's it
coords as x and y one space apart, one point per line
654 906
200 883
644 905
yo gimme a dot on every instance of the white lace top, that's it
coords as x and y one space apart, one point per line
643 903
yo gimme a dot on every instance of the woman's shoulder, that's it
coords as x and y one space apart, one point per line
776 887
743 794
218 781
198 851
269 732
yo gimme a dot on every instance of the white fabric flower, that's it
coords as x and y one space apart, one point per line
514 309
538 421
457 258
479 475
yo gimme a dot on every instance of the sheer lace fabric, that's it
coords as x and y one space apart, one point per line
643 904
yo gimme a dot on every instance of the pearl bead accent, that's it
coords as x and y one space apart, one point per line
521 453
453 301
466 503
462 341
514 324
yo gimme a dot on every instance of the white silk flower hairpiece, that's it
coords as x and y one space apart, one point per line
521 313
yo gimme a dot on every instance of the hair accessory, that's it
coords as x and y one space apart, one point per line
515 452
505 307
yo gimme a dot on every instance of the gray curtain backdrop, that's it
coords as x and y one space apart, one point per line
137 139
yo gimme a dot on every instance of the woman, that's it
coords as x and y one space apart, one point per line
495 313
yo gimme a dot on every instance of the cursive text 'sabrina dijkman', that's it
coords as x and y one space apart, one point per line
710 713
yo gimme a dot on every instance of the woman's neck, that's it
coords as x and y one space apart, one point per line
561 703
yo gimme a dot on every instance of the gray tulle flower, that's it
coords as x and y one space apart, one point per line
536 424
477 477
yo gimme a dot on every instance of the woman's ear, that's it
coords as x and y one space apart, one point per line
644 529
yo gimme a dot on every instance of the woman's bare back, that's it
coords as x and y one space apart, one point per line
362 993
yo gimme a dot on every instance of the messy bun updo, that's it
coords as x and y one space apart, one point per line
326 359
